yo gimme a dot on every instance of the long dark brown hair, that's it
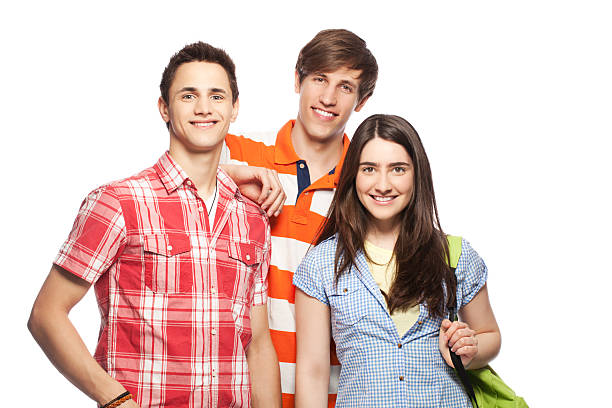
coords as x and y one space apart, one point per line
421 249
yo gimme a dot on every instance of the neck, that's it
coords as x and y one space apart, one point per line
321 154
383 234
200 167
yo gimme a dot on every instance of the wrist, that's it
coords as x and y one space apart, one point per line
119 400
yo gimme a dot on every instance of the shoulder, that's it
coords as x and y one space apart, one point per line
315 274
146 179
256 218
256 149
323 254
469 256
471 272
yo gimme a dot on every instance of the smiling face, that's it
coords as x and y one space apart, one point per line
385 181
326 103
199 109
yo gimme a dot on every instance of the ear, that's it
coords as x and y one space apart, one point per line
163 109
235 110
360 104
297 82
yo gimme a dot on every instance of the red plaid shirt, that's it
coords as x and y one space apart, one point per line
174 296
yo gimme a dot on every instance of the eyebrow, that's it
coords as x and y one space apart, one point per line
394 164
347 82
344 81
193 89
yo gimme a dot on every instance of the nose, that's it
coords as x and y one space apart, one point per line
202 106
328 96
383 184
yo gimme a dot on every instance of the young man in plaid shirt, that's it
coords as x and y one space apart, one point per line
179 261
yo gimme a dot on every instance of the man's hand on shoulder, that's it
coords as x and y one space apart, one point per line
259 184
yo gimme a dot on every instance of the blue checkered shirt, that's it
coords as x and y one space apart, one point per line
380 368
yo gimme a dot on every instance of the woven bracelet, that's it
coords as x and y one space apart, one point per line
114 403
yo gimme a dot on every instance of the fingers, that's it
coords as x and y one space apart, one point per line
458 337
457 330
272 197
264 178
280 201
465 343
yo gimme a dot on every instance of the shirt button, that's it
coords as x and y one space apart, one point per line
200 209
169 247
213 331
345 290
248 257
301 165
401 378
189 183
399 345
213 290
420 322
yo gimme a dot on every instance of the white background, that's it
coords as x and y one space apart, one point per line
512 101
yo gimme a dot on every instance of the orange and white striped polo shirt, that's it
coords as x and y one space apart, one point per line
292 233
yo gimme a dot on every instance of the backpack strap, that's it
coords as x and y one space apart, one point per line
454 250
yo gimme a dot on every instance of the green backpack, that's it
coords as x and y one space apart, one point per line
489 391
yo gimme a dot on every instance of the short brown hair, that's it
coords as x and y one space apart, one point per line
333 49
203 52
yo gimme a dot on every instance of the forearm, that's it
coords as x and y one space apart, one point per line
489 344
265 374
313 345
311 383
58 338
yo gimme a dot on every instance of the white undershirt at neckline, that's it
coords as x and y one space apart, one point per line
211 205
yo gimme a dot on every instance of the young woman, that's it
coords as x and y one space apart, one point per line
380 274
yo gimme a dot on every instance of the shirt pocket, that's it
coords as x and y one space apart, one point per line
238 275
347 303
168 264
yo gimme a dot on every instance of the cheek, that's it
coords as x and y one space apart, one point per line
361 187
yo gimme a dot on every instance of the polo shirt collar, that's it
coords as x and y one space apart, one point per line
284 153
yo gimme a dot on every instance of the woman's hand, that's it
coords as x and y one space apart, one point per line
458 337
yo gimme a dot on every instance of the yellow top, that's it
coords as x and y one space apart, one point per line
383 270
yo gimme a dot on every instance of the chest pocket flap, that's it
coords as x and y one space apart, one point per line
168 264
244 252
167 244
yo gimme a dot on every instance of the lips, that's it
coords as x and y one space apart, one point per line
324 114
203 125
382 199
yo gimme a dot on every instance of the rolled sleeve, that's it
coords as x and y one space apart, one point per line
260 290
471 274
97 236
309 275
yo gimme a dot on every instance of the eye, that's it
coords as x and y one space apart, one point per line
367 169
188 97
347 88
217 97
399 170
319 79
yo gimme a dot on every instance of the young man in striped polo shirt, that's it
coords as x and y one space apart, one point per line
335 75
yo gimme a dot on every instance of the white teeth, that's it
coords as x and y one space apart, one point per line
380 198
323 113
203 124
